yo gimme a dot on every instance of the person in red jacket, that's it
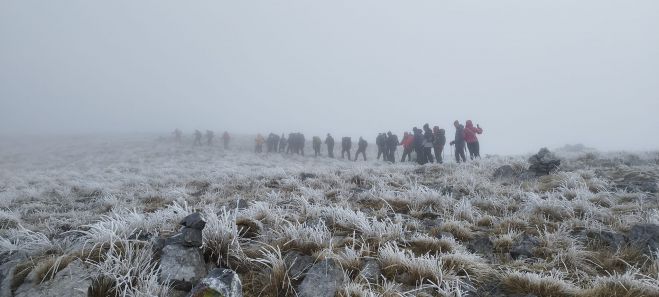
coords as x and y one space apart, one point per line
472 141
408 140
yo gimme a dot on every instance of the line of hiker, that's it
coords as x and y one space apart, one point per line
419 143
210 135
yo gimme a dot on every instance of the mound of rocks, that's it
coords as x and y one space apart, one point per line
543 163
181 261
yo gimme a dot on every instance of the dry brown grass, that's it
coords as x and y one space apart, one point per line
459 229
538 285
422 244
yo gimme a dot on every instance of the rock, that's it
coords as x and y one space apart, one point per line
544 162
220 282
194 221
304 175
611 239
524 247
297 263
504 172
370 271
645 236
191 237
634 180
323 280
71 281
481 245
182 266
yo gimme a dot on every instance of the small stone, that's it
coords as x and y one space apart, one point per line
194 221
192 237
220 282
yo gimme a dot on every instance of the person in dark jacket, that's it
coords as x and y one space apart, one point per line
380 142
472 141
418 146
407 143
329 141
361 148
346 145
459 142
438 143
428 140
282 143
316 145
391 144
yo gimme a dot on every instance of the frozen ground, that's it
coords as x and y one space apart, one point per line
438 230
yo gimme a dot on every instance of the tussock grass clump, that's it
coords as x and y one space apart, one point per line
459 229
539 285
422 244
629 284
275 279
403 266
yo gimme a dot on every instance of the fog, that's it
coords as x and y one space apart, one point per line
531 73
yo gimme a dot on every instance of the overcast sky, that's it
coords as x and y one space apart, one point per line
532 73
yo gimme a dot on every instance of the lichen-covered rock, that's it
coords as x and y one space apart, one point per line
323 280
220 282
182 266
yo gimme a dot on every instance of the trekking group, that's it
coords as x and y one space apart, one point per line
419 143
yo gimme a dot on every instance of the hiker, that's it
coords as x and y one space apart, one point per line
300 141
428 140
438 143
209 137
380 142
282 143
316 145
407 143
472 140
291 144
391 144
361 148
272 143
259 143
197 137
329 141
225 139
418 146
177 135
346 145
459 142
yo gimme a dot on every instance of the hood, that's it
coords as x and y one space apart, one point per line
469 124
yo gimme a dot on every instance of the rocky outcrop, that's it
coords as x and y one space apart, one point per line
543 163
181 262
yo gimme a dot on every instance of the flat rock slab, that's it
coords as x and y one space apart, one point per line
323 280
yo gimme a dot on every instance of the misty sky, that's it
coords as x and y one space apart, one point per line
532 73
